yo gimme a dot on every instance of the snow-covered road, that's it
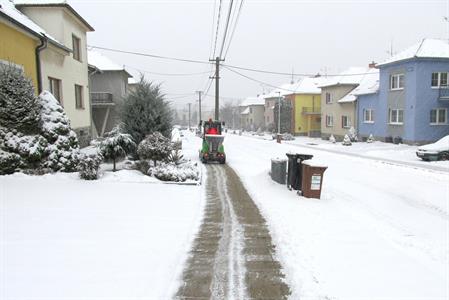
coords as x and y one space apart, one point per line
379 231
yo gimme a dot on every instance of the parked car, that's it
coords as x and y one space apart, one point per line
436 151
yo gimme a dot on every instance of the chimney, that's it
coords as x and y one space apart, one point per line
372 65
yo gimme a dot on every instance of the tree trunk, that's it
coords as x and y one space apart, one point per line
113 169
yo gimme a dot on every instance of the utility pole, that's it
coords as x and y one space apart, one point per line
279 118
217 86
189 115
199 105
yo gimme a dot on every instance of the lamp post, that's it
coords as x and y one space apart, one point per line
279 118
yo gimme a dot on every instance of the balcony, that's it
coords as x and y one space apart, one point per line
311 110
443 93
102 99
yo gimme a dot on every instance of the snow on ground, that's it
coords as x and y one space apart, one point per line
380 231
121 237
377 150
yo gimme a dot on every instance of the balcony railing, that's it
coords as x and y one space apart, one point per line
102 99
443 93
311 110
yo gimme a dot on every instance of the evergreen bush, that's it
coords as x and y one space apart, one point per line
19 106
9 162
155 147
116 145
88 166
146 111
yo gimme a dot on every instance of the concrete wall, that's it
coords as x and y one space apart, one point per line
337 110
61 25
18 47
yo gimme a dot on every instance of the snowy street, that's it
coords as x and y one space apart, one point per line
379 230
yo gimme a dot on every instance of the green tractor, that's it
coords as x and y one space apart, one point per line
212 148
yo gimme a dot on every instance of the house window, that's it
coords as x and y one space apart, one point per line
396 116
439 79
76 42
397 82
55 87
368 116
250 110
438 116
329 121
79 103
328 98
345 122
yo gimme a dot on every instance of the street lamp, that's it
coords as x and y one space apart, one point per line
279 118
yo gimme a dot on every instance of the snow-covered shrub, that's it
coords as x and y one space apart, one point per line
9 162
353 134
332 139
370 138
63 148
145 110
88 166
172 172
155 147
116 145
142 166
175 157
19 107
31 148
346 141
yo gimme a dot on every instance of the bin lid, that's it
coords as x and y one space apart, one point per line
277 159
315 163
299 156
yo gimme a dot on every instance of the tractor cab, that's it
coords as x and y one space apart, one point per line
212 148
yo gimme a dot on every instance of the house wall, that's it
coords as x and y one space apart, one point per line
61 25
305 124
269 111
427 98
116 83
369 101
337 110
19 47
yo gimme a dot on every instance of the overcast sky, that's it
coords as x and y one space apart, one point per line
304 36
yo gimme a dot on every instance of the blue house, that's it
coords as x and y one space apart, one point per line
412 100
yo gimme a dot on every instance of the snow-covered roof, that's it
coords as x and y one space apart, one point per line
259 100
245 111
427 48
9 11
308 85
352 75
59 3
132 80
369 84
285 89
103 63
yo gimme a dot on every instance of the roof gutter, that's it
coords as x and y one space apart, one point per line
38 51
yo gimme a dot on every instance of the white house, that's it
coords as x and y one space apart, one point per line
252 113
64 72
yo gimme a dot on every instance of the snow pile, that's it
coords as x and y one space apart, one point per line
187 171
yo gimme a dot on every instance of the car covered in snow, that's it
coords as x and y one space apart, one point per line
436 151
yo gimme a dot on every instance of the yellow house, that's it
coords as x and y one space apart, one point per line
306 107
21 41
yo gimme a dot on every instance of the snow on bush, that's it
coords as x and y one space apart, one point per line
176 173
332 139
62 149
353 134
88 166
9 162
155 147
116 145
34 128
19 107
346 141
370 138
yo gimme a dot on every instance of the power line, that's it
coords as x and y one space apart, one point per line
150 55
218 25
167 74
226 27
235 26
258 81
